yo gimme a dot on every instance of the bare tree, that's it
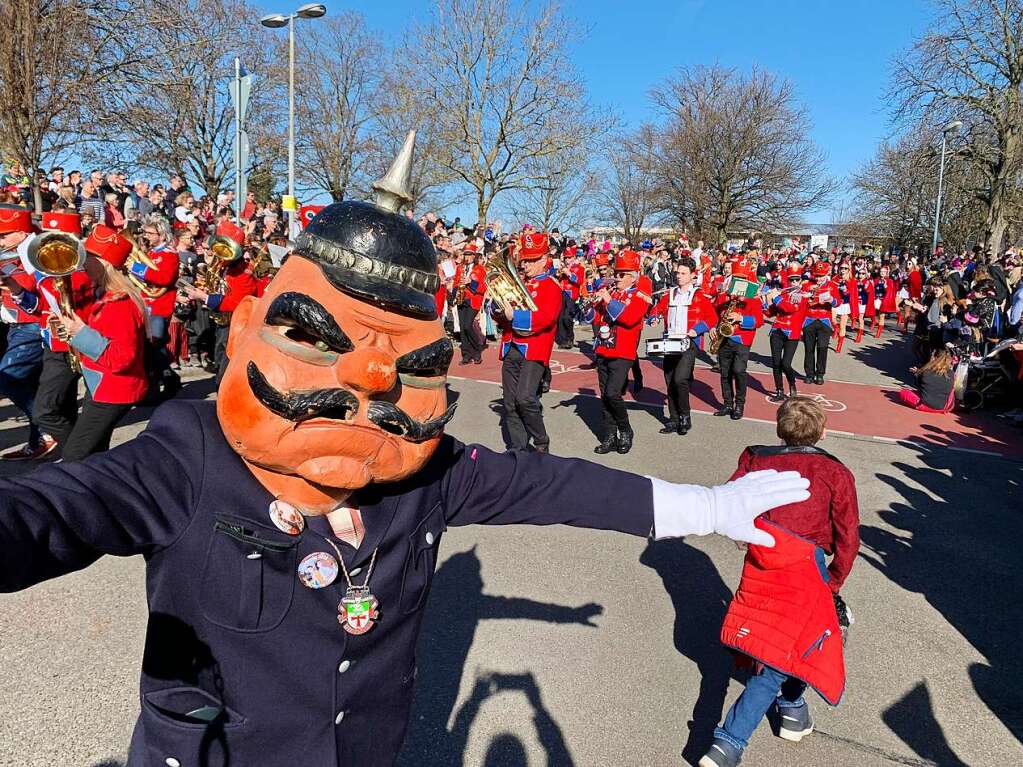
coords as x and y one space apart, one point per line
57 54
629 189
735 153
969 65
173 110
561 194
895 194
503 86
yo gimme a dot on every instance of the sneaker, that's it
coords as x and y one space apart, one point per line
796 722
721 754
47 445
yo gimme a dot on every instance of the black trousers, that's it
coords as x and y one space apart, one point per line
523 414
733 358
783 349
220 334
92 431
565 334
612 374
471 337
56 404
816 337
678 377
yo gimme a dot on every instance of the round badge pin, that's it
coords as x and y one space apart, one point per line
286 518
317 570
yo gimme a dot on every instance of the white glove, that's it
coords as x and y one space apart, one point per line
727 509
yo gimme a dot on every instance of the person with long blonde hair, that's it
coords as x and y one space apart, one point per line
110 340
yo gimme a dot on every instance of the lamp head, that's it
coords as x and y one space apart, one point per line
274 20
312 11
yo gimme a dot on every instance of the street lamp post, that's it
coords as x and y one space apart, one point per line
951 128
277 21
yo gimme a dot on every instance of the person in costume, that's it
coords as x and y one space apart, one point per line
821 298
745 316
335 404
787 619
787 309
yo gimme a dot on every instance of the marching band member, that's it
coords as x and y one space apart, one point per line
849 302
158 286
56 403
110 339
619 321
471 277
884 299
23 359
687 313
817 326
237 284
865 290
787 308
526 342
733 356
572 277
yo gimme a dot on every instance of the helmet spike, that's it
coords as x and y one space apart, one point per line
392 191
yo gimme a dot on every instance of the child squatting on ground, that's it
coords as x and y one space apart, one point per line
784 617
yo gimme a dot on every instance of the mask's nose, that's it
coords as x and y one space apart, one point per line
368 370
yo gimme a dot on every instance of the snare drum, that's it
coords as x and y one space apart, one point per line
656 347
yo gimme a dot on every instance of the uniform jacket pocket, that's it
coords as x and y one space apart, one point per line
248 579
421 560
188 726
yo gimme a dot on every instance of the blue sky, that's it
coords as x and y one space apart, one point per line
836 53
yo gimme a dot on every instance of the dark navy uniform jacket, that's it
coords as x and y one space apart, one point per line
244 665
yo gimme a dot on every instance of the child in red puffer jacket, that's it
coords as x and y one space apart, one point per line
784 616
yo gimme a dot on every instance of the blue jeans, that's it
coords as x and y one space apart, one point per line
19 371
763 689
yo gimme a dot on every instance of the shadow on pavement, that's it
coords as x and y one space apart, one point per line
892 356
700 598
456 606
955 541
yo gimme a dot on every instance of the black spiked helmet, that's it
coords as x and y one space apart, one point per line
369 250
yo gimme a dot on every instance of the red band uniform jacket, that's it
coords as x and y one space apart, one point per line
572 283
111 349
476 290
624 315
699 313
13 313
238 283
816 308
752 311
788 309
849 294
36 302
533 332
165 275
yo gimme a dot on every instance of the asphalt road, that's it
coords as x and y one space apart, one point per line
556 646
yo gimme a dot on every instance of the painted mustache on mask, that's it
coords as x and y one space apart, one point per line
338 404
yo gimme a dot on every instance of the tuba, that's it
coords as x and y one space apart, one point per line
725 327
139 255
59 255
223 251
503 282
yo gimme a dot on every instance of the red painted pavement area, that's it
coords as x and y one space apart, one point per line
861 410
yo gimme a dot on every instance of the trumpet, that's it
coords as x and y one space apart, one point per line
59 255
139 255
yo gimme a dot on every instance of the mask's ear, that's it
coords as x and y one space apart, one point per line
240 320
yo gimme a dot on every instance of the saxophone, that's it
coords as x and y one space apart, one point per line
725 327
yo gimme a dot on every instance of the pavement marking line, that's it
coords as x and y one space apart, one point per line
830 432
890 756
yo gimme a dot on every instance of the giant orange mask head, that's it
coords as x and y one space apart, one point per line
337 374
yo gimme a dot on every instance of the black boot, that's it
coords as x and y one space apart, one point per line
625 441
778 397
723 410
608 445
669 428
819 380
737 412
685 423
792 390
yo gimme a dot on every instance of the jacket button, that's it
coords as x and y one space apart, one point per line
353 573
170 761
429 539
344 666
339 717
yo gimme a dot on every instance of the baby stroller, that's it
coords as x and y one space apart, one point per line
980 378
